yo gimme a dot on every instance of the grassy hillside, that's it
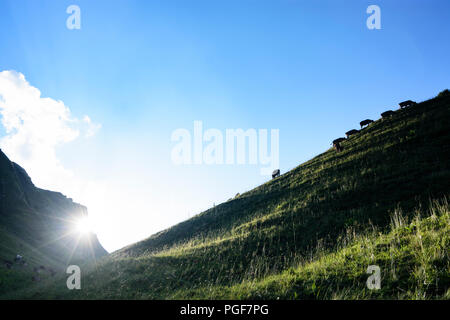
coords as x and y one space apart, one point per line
413 258
310 233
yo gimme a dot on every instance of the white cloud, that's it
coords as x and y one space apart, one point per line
122 207
92 128
35 126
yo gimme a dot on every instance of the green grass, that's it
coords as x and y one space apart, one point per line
309 234
20 275
413 257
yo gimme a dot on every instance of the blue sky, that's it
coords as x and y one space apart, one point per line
142 69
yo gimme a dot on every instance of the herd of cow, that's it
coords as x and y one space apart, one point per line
337 142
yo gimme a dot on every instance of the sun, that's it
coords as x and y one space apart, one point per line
83 226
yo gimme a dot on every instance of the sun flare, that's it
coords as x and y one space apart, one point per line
83 226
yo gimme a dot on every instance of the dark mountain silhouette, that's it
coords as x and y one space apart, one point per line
39 225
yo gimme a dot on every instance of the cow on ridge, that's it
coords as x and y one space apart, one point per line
337 146
275 173
365 123
338 140
406 103
387 114
351 132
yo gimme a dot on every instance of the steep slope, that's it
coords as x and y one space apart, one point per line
38 225
395 164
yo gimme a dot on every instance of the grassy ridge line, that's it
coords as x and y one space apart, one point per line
381 138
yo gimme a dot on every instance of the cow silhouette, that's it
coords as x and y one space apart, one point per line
338 140
406 103
275 173
387 114
365 123
337 146
351 132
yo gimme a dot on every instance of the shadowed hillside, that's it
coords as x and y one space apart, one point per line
39 226
312 232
